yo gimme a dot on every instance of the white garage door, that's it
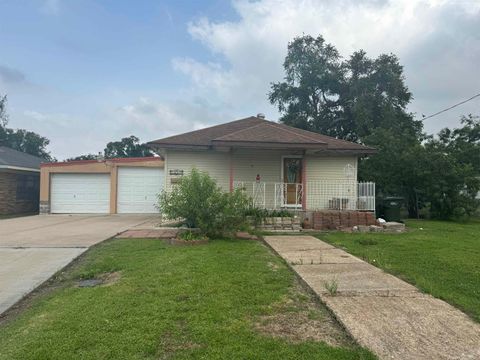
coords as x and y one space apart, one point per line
80 193
138 188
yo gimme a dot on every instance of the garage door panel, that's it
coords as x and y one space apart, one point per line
138 188
80 193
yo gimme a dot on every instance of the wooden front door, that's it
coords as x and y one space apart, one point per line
292 177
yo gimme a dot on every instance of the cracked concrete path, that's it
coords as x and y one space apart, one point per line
383 313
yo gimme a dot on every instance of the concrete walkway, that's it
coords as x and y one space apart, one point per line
33 248
383 313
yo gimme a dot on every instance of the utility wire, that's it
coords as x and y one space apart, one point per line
449 108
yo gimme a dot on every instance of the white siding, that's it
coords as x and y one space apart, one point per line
217 164
266 163
330 170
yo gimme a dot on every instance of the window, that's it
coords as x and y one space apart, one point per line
27 187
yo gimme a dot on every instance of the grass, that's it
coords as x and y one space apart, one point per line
440 258
202 302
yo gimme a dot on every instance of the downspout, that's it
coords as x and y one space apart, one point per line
231 170
304 182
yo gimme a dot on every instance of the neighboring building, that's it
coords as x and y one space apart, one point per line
277 165
19 182
127 185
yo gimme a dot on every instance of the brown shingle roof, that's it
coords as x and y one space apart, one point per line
257 132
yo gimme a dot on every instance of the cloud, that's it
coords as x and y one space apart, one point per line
10 75
437 41
152 119
51 7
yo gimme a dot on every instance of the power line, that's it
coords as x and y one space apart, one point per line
449 108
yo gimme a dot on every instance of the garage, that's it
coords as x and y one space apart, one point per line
106 186
80 193
137 189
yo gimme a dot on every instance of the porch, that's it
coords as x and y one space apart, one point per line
338 194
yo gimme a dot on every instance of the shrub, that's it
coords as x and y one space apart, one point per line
258 214
202 204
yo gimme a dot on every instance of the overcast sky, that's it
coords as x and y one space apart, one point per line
84 73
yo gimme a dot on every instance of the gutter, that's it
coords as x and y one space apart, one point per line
8 167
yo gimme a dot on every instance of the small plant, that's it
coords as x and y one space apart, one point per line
191 236
331 286
258 214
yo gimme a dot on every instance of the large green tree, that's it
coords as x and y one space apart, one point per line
21 139
127 147
365 100
347 99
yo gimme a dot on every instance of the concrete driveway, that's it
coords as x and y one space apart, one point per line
33 248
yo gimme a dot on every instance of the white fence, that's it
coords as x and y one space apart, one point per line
317 195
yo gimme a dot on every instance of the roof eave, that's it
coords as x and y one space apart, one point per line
155 145
366 151
268 145
18 168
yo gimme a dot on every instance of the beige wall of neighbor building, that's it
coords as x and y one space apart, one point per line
90 167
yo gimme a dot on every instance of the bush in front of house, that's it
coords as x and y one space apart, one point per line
202 204
257 214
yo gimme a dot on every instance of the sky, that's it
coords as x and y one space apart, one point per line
83 72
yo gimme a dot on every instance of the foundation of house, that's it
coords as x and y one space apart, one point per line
335 220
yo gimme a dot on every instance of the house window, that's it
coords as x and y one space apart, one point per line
27 187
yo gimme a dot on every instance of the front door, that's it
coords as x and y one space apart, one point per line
292 177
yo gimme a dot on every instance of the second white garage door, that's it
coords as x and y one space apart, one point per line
80 193
138 188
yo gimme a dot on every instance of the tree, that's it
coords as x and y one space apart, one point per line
452 170
3 111
127 147
203 204
365 100
21 139
84 157
346 99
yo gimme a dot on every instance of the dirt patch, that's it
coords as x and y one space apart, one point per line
104 279
175 340
301 317
273 266
111 278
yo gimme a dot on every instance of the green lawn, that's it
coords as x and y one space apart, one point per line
212 302
441 258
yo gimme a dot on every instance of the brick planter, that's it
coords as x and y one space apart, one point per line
333 220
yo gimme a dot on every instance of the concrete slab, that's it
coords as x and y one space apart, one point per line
383 313
22 270
356 278
286 243
319 256
408 328
64 230
33 248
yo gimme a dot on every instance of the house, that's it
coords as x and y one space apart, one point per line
103 186
277 165
19 182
